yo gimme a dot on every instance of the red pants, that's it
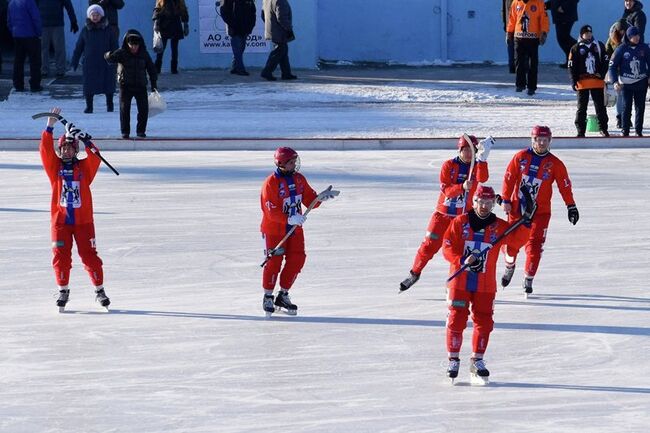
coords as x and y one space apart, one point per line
533 238
482 306
432 241
84 237
294 256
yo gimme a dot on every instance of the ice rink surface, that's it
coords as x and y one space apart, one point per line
186 347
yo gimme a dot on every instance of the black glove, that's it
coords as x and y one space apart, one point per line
74 28
510 37
186 29
574 86
498 199
574 216
290 35
477 266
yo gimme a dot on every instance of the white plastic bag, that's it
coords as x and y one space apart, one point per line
157 43
156 103
610 97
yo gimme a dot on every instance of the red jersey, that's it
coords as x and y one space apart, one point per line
453 199
72 202
283 196
460 241
538 173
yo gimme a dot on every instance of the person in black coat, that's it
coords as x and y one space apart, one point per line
564 14
171 19
95 39
110 12
133 65
239 16
634 16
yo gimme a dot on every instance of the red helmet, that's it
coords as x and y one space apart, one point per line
485 192
462 142
284 155
69 140
541 131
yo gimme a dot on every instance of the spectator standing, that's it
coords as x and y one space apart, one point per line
110 12
239 16
564 13
133 65
628 70
634 16
24 22
616 35
53 34
278 27
528 28
171 19
588 64
505 13
95 39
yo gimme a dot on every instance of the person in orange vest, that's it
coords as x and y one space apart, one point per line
588 64
71 209
528 26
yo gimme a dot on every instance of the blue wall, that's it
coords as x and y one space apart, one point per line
399 31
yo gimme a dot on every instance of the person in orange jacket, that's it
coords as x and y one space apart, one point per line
457 187
474 289
283 195
71 209
537 168
528 26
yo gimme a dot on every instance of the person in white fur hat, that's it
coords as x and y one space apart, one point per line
96 38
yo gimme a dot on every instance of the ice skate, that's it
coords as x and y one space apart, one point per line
479 375
452 369
62 300
409 281
507 275
267 304
528 286
102 299
283 303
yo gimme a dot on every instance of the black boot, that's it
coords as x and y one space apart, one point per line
174 66
109 103
619 125
89 104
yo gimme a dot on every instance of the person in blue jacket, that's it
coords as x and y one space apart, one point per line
96 38
24 22
628 70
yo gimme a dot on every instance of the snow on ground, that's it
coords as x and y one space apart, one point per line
377 109
186 347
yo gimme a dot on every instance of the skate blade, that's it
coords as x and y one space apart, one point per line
452 380
287 312
268 314
61 309
479 380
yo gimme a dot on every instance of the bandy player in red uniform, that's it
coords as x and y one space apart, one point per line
283 195
71 209
456 190
474 289
537 168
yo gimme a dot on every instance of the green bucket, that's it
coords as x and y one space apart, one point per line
592 123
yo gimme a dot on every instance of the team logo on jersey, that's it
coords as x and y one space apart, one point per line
70 194
288 206
493 235
472 248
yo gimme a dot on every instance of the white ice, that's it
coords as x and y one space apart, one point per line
187 349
